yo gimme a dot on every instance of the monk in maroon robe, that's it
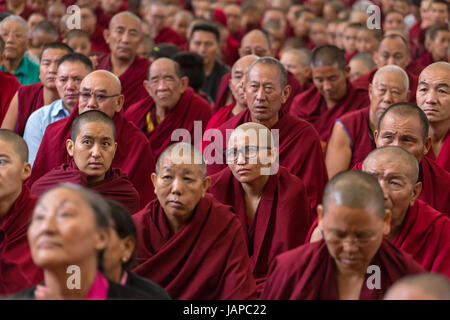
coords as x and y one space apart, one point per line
92 146
17 270
95 30
438 38
352 136
300 152
189 243
332 95
31 97
416 228
436 106
272 207
172 105
333 268
101 90
123 60
10 84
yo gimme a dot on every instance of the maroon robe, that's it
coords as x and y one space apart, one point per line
132 79
364 81
425 235
299 151
205 259
356 125
26 13
309 273
417 40
30 98
168 35
221 116
191 107
281 221
17 269
115 186
98 42
133 155
9 84
224 91
443 158
311 106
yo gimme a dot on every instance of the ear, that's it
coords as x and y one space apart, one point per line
153 178
285 94
347 72
205 185
106 34
427 145
370 91
320 216
26 171
417 188
115 149
119 105
146 84
129 243
273 155
387 222
102 238
69 147
184 83
375 135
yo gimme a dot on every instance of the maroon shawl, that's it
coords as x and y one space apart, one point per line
309 273
115 186
17 269
168 35
205 259
133 155
30 98
299 151
132 80
191 107
9 85
443 158
311 106
281 221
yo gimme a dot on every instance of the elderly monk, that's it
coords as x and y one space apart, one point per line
9 85
237 90
438 39
14 31
170 105
426 286
71 70
433 97
353 261
272 205
266 89
258 43
92 146
352 136
31 97
123 37
17 270
392 49
416 228
101 90
190 243
332 94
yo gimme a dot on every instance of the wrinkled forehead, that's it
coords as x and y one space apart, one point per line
181 162
438 75
401 124
13 26
99 82
393 45
386 164
254 40
163 66
126 22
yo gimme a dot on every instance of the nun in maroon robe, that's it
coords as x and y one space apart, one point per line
9 84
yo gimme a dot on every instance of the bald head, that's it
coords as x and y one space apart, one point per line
18 143
438 66
182 153
165 63
104 76
256 42
127 15
328 55
392 71
424 286
256 133
354 190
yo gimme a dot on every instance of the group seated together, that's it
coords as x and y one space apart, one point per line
224 150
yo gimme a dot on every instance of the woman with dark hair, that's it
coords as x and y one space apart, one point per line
120 251
68 234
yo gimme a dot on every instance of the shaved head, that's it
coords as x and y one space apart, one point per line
355 190
106 76
261 135
183 153
424 286
244 62
18 143
328 55
89 117
391 70
437 66
126 14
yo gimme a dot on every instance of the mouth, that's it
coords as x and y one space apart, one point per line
350 262
95 165
260 108
175 204
48 244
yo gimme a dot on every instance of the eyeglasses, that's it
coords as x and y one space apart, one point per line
248 152
99 97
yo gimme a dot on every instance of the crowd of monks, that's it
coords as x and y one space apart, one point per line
265 149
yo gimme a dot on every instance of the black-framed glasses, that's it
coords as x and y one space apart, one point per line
248 152
99 97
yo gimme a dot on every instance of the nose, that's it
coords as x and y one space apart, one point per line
431 97
92 103
240 158
162 85
260 93
388 97
391 60
95 150
327 86
52 68
349 246
177 186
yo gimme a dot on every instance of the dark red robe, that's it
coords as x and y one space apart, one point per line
17 269
309 273
115 186
425 235
221 116
9 85
168 35
191 107
98 42
299 151
417 40
364 81
132 80
26 13
443 158
206 258
133 155
311 106
281 221
30 98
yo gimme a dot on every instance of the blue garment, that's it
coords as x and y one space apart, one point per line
38 122
27 72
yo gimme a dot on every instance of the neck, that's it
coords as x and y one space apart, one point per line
209 68
255 188
7 203
161 113
348 274
50 95
176 222
56 280
94 179
12 65
68 107
119 66
438 132
238 109
268 123
116 274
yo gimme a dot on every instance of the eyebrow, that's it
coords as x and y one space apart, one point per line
100 90
93 138
4 155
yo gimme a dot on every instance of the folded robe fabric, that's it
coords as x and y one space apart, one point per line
168 35
206 258
281 221
191 107
133 155
115 186
17 269
30 98
309 273
9 84
443 158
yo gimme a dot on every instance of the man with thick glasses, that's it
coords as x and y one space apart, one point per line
353 261
272 206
